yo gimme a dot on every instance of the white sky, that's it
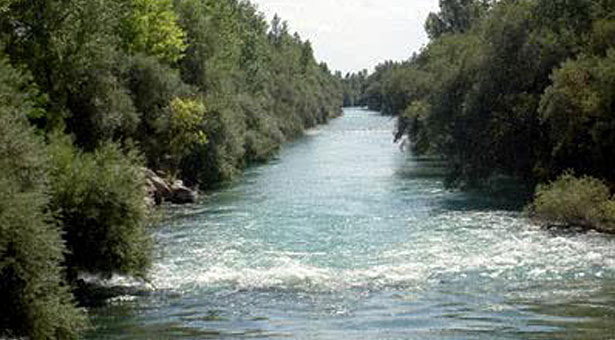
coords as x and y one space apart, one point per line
351 35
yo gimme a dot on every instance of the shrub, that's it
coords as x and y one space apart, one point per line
578 201
99 198
185 127
35 302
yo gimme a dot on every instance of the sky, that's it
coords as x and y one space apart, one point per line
351 35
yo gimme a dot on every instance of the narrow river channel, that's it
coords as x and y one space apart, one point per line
344 236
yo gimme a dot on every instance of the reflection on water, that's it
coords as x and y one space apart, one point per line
345 237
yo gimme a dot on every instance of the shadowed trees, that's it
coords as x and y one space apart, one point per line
512 87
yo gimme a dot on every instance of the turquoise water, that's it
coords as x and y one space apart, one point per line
344 236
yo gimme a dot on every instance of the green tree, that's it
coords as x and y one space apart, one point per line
99 198
153 85
70 47
260 87
455 16
578 108
36 303
201 88
151 28
473 93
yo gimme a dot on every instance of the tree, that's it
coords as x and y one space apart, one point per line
70 47
455 16
36 303
578 108
151 28
99 198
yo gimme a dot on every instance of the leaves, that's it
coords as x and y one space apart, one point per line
577 201
520 88
100 200
35 301
152 28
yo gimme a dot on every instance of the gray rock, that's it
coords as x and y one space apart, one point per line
157 188
160 190
182 194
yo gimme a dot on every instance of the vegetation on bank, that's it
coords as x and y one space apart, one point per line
517 88
92 91
583 202
33 294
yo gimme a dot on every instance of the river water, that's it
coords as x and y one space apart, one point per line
344 236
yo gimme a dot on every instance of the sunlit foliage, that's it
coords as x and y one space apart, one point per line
151 28
576 201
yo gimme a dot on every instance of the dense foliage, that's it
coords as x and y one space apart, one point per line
521 88
196 88
578 201
35 301
99 199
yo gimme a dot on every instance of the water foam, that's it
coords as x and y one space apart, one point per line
493 247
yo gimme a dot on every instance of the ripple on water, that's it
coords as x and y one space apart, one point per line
496 247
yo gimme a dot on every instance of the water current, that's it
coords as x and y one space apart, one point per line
343 236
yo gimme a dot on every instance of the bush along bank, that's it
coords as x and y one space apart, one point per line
94 92
583 202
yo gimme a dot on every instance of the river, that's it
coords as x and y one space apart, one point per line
343 236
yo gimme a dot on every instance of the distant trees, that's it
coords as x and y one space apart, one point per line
198 89
354 88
